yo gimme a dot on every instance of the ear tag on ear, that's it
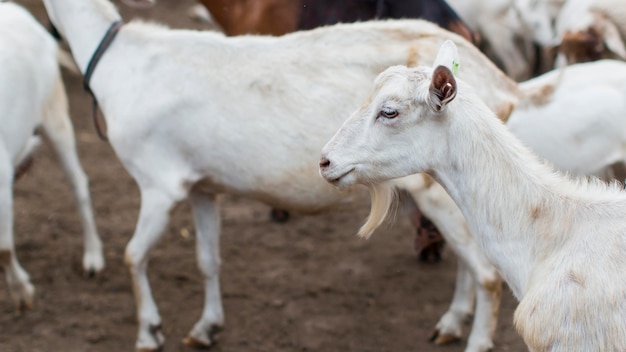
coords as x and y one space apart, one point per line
455 67
448 56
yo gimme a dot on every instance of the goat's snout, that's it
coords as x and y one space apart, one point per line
324 162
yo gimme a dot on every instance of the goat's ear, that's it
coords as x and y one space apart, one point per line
612 37
442 88
448 56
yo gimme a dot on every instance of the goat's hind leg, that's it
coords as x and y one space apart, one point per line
450 326
21 290
153 217
58 128
207 220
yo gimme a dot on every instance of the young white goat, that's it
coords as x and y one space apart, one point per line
195 114
580 127
32 96
560 244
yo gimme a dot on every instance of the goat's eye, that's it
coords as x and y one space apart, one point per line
388 113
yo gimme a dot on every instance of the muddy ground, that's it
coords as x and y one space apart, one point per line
308 285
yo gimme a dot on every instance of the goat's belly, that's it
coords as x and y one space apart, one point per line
300 197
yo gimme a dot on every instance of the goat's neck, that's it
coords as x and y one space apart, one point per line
83 23
500 187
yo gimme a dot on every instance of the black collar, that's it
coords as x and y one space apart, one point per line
91 67
100 50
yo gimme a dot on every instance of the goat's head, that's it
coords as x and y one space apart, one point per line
601 40
400 130
536 19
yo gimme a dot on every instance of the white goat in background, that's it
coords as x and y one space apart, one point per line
501 29
580 127
589 30
559 244
195 114
32 95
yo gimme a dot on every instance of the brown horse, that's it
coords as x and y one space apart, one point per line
277 17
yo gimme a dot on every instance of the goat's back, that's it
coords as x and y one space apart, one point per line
254 111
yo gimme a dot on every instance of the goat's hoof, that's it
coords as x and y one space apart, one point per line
24 304
152 342
90 273
192 342
202 342
93 264
443 339
157 349
23 297
279 216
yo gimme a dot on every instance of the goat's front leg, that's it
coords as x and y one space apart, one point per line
153 217
207 219
58 128
20 288
475 271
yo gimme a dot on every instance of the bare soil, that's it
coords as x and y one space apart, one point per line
307 285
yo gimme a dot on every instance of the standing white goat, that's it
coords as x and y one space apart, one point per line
32 95
559 244
580 127
195 114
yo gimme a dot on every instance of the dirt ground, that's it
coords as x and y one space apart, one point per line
307 285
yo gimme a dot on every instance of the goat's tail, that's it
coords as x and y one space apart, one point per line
540 94
67 61
382 196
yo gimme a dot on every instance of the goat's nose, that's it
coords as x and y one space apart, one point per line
324 162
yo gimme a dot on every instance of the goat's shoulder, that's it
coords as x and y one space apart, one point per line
578 290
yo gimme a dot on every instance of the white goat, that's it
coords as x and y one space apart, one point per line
499 28
199 114
581 126
32 96
559 244
589 30
537 17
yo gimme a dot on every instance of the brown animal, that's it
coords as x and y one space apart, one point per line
277 17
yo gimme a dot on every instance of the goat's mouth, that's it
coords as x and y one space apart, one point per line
338 179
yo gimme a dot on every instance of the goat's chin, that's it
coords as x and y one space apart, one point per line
345 181
382 196
339 179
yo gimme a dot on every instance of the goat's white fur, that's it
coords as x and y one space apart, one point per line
559 244
197 113
32 95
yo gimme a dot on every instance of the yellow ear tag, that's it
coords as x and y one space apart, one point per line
455 67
